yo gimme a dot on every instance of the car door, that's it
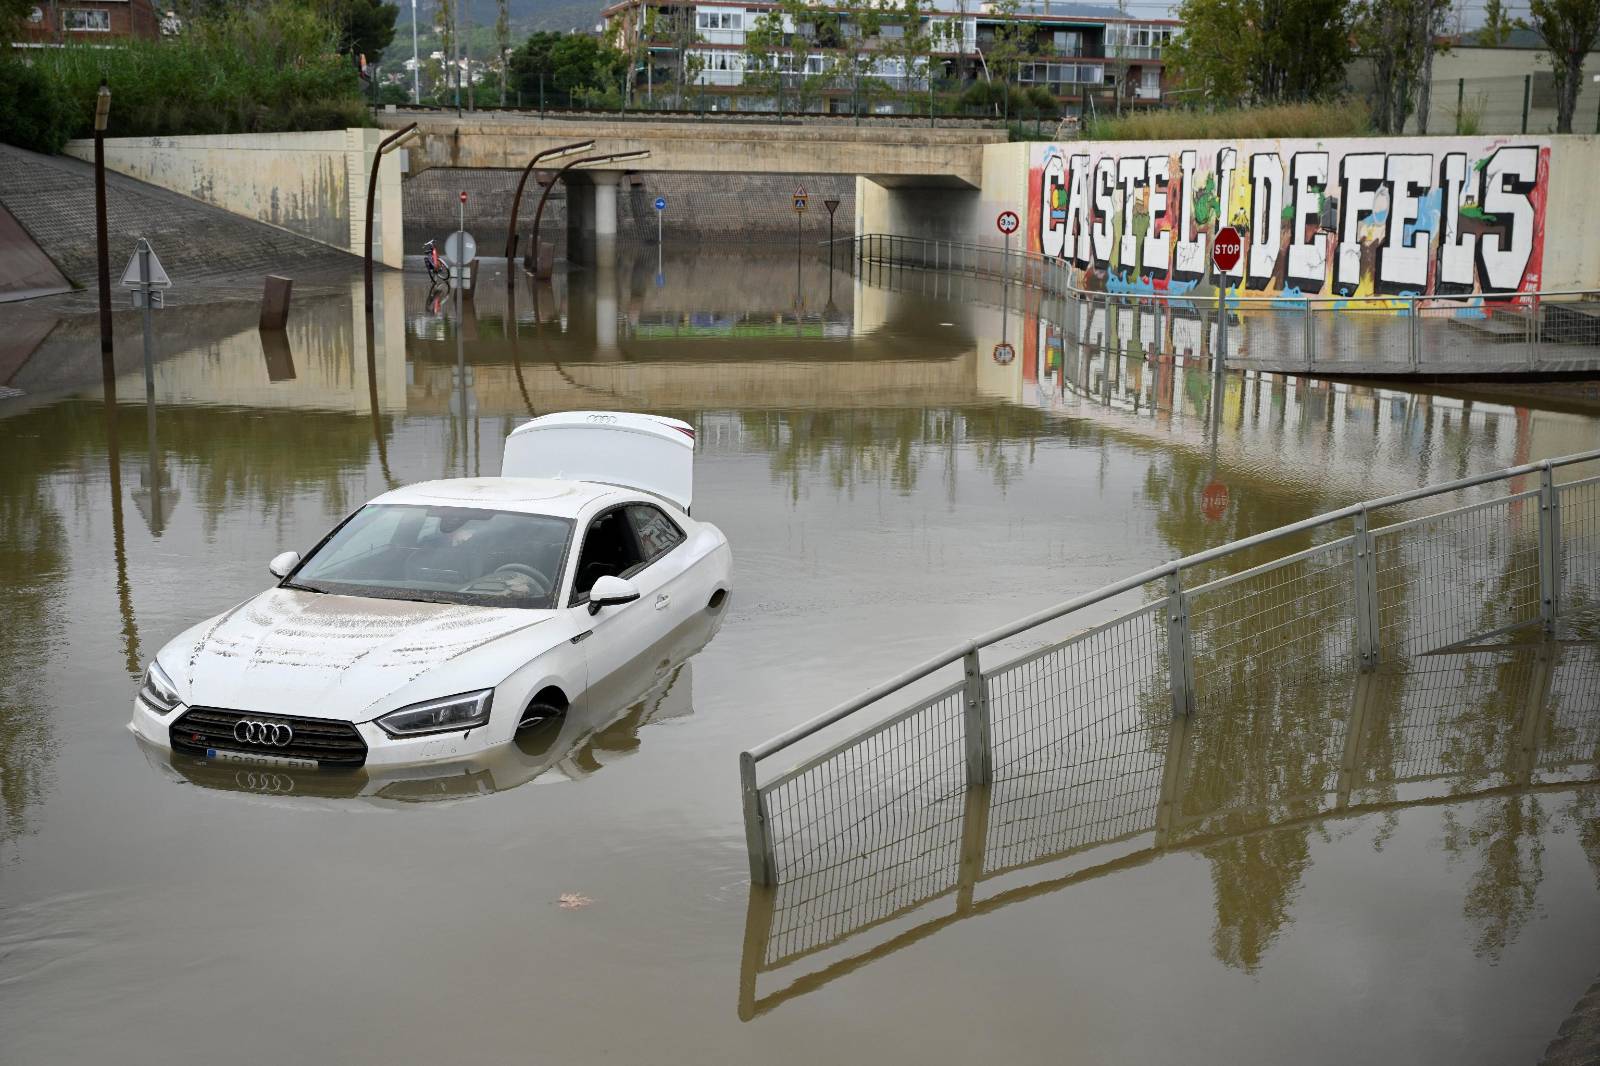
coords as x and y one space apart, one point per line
666 566
618 633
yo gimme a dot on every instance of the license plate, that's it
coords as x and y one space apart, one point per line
224 755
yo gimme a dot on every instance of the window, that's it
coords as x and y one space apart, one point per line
719 20
441 555
657 533
85 19
609 550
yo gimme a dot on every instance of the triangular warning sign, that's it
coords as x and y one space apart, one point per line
133 277
800 191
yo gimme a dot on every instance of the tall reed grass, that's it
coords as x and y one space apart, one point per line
256 69
1345 118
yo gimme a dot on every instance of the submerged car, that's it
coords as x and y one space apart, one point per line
441 618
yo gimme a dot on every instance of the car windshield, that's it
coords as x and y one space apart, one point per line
441 555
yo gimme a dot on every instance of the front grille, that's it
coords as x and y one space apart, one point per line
330 743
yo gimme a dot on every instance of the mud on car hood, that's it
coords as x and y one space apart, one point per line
326 656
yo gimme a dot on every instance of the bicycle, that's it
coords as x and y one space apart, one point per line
437 269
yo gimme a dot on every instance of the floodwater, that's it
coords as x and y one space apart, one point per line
897 470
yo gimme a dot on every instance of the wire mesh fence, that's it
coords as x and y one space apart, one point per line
833 807
1079 733
1270 752
1297 613
1075 738
1445 578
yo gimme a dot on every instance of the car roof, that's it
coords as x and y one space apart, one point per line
528 495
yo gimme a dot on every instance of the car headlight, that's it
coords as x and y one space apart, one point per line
158 692
449 715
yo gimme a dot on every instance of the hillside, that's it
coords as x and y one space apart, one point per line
526 15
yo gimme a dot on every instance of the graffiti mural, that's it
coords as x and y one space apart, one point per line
1352 218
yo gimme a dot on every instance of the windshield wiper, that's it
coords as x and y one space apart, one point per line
300 588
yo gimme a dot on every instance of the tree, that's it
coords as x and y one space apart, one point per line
764 57
13 13
1262 51
444 23
572 67
1498 25
365 27
1568 29
502 42
1398 36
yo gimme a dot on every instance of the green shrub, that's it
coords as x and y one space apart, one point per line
998 98
33 113
255 69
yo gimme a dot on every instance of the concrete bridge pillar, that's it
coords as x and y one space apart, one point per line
606 183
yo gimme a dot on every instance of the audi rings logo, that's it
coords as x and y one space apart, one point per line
255 731
603 419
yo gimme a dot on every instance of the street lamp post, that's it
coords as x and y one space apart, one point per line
416 66
387 144
516 201
102 112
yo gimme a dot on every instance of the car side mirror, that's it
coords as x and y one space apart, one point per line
611 591
283 563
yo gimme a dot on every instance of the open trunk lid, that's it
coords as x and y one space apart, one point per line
636 451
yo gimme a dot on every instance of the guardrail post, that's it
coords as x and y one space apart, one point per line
1366 594
1416 333
757 833
1549 548
1180 648
1310 334
975 720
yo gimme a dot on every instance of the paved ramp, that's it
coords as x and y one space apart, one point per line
25 271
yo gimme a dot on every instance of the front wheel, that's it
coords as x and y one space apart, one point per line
537 714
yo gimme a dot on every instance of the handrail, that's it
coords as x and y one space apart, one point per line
1077 603
1277 300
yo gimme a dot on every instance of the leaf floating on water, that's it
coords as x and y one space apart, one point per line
572 901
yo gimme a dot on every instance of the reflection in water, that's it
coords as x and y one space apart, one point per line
1513 731
886 481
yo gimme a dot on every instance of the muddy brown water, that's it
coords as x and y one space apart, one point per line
889 487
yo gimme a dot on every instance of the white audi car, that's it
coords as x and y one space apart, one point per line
441 618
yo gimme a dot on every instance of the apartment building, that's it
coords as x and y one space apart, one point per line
1086 56
53 22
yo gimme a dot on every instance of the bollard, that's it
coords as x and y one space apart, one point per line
275 302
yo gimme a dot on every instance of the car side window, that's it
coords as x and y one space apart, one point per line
610 549
657 533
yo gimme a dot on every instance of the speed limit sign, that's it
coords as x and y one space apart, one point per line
1007 222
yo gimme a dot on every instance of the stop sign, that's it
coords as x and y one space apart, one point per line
1226 248
1214 500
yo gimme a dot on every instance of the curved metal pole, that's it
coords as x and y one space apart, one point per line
538 212
516 203
372 195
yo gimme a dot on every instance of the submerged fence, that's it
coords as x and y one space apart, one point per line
1101 709
1442 729
1549 331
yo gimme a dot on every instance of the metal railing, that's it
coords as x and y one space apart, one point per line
1444 729
1545 331
1355 594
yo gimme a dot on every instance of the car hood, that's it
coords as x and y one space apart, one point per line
325 656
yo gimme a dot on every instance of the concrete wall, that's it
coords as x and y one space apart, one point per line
313 184
911 153
946 211
1350 217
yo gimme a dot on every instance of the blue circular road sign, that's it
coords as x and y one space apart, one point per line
661 203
